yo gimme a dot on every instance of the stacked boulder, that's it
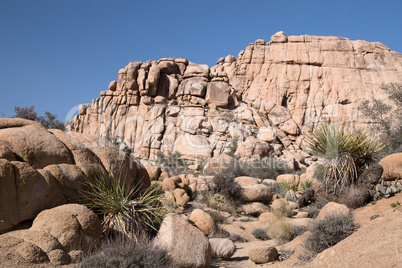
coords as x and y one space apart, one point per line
42 169
261 101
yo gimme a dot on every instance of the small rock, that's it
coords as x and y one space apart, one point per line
265 254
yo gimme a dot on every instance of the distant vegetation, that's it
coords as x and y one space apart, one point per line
48 120
387 122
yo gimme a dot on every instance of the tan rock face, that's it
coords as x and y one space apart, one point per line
185 244
392 165
203 221
41 169
57 236
264 100
263 254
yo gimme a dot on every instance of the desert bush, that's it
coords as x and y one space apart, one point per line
306 184
216 201
299 230
346 154
354 197
387 123
216 216
127 211
48 120
280 230
118 254
232 147
237 238
314 209
225 185
260 233
172 162
328 232
267 168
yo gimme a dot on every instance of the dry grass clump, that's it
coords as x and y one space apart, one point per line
354 197
279 228
127 253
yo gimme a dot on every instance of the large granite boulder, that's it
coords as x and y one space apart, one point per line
41 169
58 236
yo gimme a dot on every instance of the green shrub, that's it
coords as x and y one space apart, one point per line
386 122
260 233
306 184
328 232
127 211
128 254
48 120
290 189
346 154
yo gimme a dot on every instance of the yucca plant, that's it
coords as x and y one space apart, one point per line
128 211
290 189
346 154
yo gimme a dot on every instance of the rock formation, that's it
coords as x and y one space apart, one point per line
42 169
262 102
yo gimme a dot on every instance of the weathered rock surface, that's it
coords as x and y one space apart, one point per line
333 209
392 165
262 101
41 169
222 248
203 221
57 236
185 244
263 254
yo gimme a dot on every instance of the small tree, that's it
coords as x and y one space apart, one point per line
48 120
386 123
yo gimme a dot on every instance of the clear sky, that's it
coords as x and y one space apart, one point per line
55 54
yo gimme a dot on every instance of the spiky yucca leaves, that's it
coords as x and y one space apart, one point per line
290 189
128 211
346 154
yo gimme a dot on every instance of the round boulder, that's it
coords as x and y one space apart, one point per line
257 193
392 165
332 209
222 248
203 221
264 254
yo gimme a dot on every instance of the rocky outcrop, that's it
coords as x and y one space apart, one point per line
41 169
259 103
58 236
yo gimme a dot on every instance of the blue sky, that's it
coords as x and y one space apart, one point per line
55 54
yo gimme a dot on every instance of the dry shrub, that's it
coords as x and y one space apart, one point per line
328 232
260 233
354 197
127 253
237 238
280 230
